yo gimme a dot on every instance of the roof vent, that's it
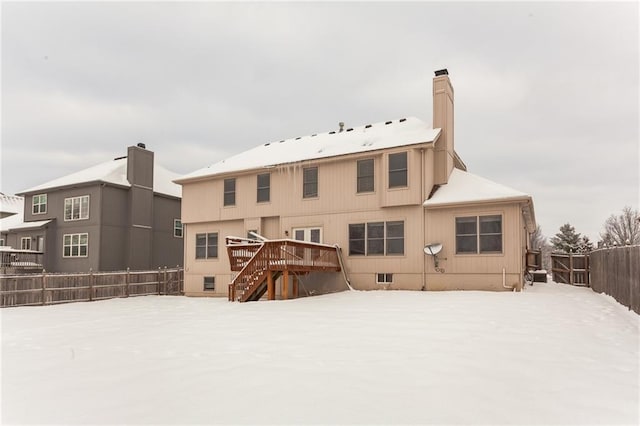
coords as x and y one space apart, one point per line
388 122
141 145
298 137
332 133
367 126
402 120
341 124
442 72
349 129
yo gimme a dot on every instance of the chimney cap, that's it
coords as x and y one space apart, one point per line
141 145
443 71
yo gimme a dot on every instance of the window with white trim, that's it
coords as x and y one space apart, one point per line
1 242
39 204
25 243
384 278
209 283
376 238
177 228
479 234
312 235
75 245
76 208
207 245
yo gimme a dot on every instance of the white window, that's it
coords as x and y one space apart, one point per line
384 278
207 245
209 283
1 242
76 208
479 234
177 228
75 245
376 238
398 170
39 204
312 235
25 243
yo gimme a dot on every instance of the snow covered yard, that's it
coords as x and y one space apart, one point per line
553 354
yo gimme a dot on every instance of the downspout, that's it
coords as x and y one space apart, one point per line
424 218
504 281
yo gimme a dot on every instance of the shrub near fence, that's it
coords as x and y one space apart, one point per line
616 272
46 288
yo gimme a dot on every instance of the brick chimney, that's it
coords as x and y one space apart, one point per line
443 119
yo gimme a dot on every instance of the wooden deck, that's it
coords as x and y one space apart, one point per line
261 263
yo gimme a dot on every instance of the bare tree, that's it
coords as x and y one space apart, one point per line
622 229
537 240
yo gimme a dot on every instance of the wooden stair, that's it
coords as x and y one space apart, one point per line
261 263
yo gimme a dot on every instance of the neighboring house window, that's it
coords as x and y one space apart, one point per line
264 187
25 243
397 170
376 238
207 245
39 204
384 278
209 283
177 228
75 245
1 242
230 192
76 208
365 175
309 182
479 234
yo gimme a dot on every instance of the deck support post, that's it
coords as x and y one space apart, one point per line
285 285
271 287
295 286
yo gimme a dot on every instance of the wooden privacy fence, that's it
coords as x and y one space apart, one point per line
570 268
52 288
616 272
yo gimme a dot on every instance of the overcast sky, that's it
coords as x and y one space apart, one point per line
546 94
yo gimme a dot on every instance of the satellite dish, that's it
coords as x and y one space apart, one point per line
433 249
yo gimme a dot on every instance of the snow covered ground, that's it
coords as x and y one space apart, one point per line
553 354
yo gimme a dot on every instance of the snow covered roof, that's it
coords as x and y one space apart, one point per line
114 172
27 225
464 187
371 137
11 211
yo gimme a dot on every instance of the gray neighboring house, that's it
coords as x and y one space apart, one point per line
120 214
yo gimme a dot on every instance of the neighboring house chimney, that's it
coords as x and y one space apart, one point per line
140 176
443 119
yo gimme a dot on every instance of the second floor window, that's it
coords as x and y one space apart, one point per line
230 192
76 208
207 245
398 170
39 204
264 187
365 175
309 182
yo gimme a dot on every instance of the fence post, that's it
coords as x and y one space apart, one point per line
90 284
165 281
44 286
128 282
159 274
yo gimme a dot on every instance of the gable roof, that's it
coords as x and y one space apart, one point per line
371 137
114 172
12 211
464 188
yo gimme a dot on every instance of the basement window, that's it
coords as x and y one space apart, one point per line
209 283
384 278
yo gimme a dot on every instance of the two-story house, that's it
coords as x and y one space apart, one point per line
386 193
123 213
